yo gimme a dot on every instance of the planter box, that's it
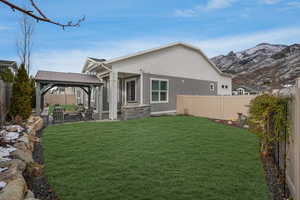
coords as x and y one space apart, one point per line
135 111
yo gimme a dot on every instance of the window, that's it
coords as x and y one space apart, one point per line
212 87
159 91
131 90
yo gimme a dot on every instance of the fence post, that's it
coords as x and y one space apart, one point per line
297 139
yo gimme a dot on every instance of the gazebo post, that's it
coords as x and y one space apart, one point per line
89 97
38 98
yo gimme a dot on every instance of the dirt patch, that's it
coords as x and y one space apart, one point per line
277 188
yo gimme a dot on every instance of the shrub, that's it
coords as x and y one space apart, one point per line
268 118
21 95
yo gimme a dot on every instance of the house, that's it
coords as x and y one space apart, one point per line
153 78
7 64
244 90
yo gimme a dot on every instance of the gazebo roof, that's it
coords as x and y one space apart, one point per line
66 77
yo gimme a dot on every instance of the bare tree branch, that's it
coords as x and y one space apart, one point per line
37 9
25 42
42 16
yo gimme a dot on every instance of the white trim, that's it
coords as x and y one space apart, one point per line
163 112
135 95
168 88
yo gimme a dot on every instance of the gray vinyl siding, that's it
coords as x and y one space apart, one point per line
121 97
177 86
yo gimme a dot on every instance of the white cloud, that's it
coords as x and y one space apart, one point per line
4 28
223 45
73 60
186 13
209 6
218 4
271 1
294 4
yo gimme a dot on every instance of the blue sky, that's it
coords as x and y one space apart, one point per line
119 27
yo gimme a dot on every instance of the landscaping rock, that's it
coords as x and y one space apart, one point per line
21 146
246 126
11 136
16 162
5 151
14 190
29 195
15 128
10 174
25 156
12 183
24 139
12 129
2 184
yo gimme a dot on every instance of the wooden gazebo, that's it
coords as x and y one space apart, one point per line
45 80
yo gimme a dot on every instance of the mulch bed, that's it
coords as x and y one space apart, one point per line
275 184
39 185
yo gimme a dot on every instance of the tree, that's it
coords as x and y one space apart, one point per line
21 95
24 44
39 15
6 75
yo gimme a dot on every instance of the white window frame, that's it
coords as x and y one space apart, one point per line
168 88
212 87
125 88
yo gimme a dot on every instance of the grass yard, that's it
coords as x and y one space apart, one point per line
155 158
66 107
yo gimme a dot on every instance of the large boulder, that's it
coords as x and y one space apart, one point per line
29 195
14 190
20 165
25 156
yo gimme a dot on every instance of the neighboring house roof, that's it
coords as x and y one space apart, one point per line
66 77
9 63
108 62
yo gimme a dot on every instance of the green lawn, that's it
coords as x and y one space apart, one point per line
155 158
67 107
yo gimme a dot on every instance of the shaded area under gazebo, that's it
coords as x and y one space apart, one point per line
46 80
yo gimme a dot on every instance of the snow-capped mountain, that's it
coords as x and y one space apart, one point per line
257 66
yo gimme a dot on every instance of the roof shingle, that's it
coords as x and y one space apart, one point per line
66 77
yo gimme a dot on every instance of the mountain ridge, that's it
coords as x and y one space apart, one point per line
262 65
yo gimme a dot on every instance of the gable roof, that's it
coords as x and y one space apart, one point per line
110 61
8 63
51 76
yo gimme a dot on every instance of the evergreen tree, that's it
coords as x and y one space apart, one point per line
21 94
